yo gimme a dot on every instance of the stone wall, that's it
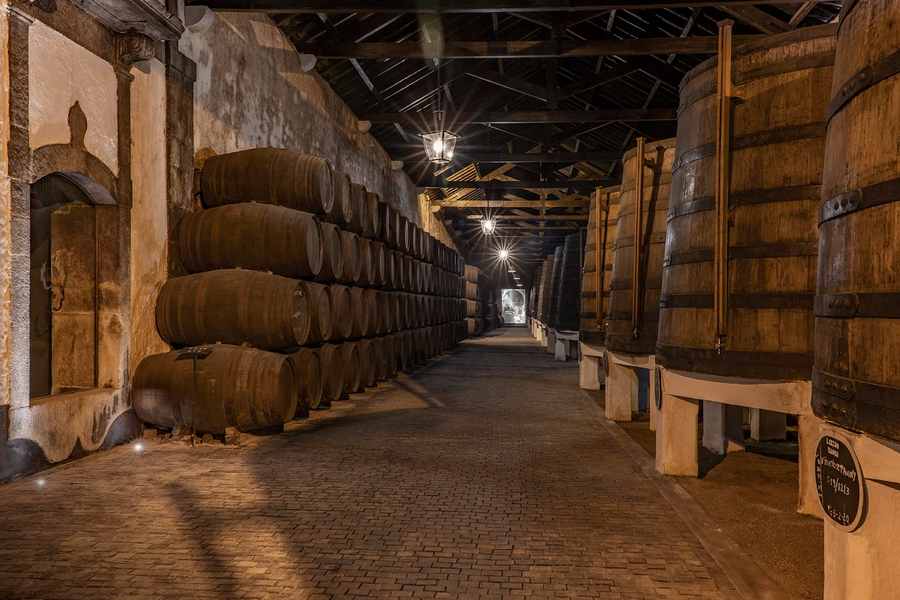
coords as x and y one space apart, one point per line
251 91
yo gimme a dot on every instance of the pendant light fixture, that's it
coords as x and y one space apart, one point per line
439 144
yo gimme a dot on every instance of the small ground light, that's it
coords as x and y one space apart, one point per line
41 482
138 447
504 254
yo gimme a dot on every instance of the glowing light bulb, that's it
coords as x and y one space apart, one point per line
138 447
488 226
504 254
41 482
438 146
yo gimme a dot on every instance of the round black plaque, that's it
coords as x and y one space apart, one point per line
839 482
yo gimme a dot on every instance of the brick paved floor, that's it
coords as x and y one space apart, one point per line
487 475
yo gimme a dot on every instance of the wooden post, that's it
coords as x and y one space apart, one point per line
636 287
723 180
599 256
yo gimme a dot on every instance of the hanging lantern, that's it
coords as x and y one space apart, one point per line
439 146
488 226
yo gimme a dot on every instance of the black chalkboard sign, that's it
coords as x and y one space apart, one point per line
839 481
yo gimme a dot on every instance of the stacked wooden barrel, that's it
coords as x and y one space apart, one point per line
301 290
598 262
638 257
765 325
474 306
856 380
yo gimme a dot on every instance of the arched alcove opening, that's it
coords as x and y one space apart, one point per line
63 280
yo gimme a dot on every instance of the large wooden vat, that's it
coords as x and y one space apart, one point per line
568 292
271 176
209 388
632 329
552 290
251 236
233 306
856 381
777 143
598 261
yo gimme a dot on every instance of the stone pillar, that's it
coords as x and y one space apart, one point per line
590 375
808 430
621 391
180 75
767 425
723 430
676 436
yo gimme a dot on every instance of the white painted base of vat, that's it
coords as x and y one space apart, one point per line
622 386
591 375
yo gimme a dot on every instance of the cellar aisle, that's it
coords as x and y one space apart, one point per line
486 474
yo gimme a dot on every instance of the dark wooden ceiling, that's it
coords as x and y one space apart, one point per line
539 91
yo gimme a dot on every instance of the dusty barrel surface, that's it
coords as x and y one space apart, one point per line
332 253
777 141
254 236
309 376
598 260
233 306
359 206
319 302
342 211
341 311
351 267
624 333
209 388
372 223
271 176
856 380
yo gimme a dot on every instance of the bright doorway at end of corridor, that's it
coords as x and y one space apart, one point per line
514 306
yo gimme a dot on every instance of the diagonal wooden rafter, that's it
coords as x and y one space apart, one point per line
758 18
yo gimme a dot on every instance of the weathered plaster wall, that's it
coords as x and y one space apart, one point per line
5 211
78 76
149 219
250 91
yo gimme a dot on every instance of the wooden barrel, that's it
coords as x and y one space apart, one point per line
365 261
368 363
254 236
552 301
342 212
372 224
351 267
321 319
359 205
778 139
390 269
403 234
378 264
543 301
309 376
387 221
209 388
370 299
598 254
271 176
332 372
348 355
472 273
856 381
568 292
360 312
332 254
233 306
625 331
341 311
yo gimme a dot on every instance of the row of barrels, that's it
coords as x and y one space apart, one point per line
207 389
296 244
271 312
795 278
309 184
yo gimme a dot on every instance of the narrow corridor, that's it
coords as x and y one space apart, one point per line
487 474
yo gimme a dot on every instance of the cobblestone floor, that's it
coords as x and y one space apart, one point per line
486 475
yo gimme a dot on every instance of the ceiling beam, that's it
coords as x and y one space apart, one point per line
801 13
758 18
459 119
521 49
519 185
538 157
462 6
583 217
549 204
